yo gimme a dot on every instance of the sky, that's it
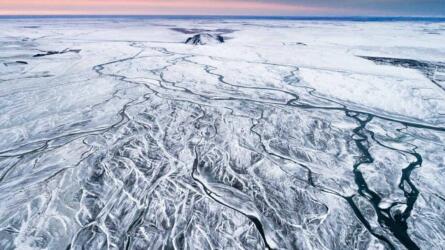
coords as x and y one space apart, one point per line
225 7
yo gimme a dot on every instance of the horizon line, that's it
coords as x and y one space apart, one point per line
221 15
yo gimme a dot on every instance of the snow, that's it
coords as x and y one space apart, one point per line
284 136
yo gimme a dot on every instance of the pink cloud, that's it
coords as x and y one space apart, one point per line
152 7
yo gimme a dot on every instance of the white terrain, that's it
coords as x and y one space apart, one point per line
132 133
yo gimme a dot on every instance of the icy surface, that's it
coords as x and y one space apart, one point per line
114 134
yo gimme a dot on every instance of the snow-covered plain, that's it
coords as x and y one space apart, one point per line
115 134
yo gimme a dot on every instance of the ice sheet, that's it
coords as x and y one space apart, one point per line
115 134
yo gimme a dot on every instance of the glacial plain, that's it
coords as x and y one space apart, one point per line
157 133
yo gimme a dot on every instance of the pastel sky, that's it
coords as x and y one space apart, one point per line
225 7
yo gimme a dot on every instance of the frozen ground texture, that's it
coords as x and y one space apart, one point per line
114 134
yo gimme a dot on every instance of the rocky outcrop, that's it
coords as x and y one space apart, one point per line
53 52
205 38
